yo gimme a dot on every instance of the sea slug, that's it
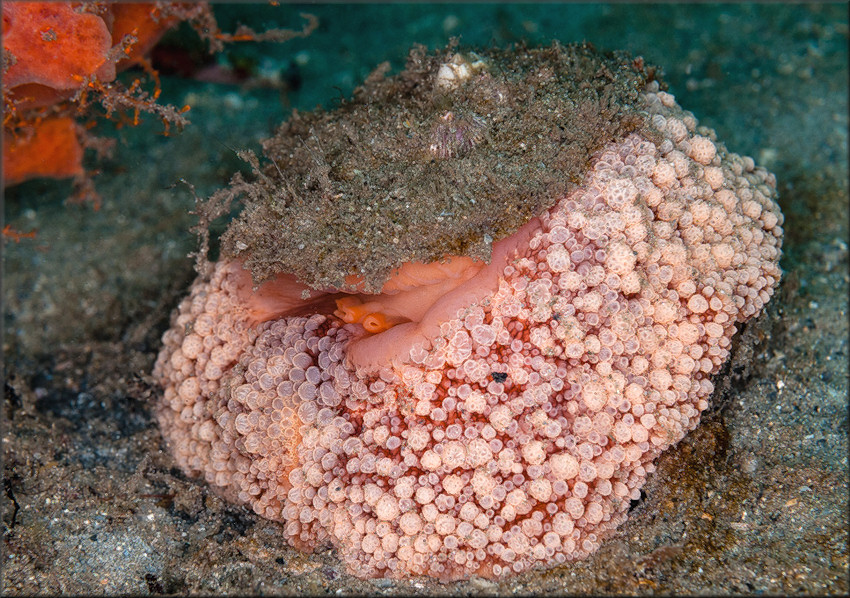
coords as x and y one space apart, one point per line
462 314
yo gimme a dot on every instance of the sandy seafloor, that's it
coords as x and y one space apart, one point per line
753 501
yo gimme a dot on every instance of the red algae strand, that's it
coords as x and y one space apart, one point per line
507 419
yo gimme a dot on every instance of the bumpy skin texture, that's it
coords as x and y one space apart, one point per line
516 433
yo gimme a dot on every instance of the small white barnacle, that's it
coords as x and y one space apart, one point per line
458 69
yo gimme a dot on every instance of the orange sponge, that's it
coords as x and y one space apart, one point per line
50 48
50 149
142 20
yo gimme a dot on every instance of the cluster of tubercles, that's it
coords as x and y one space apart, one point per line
517 433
